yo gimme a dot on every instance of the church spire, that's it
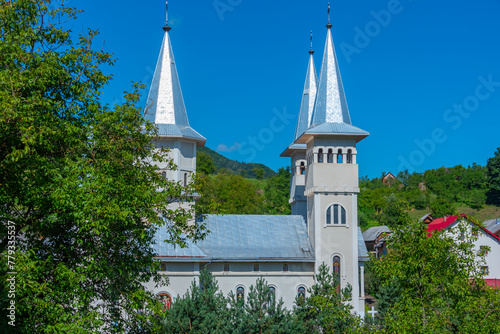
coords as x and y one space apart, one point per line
308 97
331 104
165 106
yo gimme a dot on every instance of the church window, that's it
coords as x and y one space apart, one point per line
349 156
272 293
240 293
226 266
329 157
302 168
320 155
285 267
339 156
256 267
336 214
336 266
336 271
301 293
165 300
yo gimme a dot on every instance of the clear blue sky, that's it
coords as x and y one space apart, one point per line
424 81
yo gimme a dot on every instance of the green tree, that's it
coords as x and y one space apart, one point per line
277 193
395 212
326 308
493 174
433 284
261 312
228 194
205 164
441 207
76 182
203 309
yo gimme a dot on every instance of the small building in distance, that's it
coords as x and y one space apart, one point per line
375 238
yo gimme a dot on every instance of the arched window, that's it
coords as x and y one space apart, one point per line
185 179
320 155
336 266
240 293
349 156
301 293
336 271
302 168
165 300
336 214
339 157
272 293
164 175
329 157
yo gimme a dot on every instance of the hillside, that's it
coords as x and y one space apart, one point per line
248 170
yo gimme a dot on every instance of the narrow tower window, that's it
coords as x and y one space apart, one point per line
339 157
330 156
185 179
320 155
336 271
349 156
302 168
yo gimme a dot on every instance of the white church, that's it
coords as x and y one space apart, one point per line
285 250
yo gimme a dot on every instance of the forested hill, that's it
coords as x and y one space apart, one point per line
249 170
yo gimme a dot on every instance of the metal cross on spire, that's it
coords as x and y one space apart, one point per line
329 25
166 27
311 51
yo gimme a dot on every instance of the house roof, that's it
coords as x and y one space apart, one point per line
362 251
244 238
492 225
439 224
373 233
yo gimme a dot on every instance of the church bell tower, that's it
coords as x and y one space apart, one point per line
331 177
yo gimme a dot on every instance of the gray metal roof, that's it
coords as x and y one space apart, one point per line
372 233
362 251
492 225
308 98
337 128
165 106
331 104
245 238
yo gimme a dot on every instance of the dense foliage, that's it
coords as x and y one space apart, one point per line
493 174
440 191
433 284
78 184
227 193
204 309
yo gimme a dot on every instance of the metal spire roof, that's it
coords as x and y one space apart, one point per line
308 98
331 104
165 106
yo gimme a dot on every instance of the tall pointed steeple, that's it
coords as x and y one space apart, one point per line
165 106
330 114
308 97
331 104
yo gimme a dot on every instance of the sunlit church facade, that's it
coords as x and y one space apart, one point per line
285 250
